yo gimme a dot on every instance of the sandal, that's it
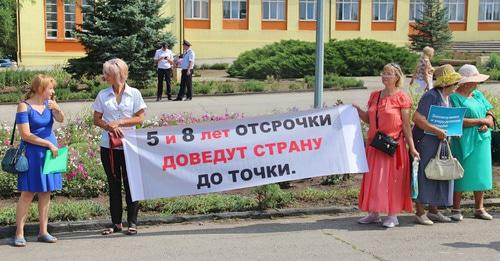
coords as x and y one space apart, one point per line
132 230
111 230
480 213
19 242
47 238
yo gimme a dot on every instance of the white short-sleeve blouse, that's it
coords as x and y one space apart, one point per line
105 103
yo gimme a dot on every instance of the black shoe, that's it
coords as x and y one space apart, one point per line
169 98
188 99
158 99
178 99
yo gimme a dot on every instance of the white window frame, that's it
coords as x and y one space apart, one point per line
70 4
486 6
455 6
47 29
274 16
376 8
231 3
306 4
191 15
415 6
350 4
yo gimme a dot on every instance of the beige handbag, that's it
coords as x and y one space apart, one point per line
444 166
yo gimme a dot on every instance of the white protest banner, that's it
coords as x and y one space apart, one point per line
219 156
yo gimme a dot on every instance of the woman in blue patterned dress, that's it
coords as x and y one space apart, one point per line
34 119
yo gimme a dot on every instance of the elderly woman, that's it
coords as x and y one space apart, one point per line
386 187
35 117
433 192
424 70
473 149
115 108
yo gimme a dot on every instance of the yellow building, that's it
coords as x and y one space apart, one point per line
224 28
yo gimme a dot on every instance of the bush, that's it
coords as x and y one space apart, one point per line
215 66
494 74
204 87
494 62
8 185
252 86
294 86
296 59
335 81
225 88
271 196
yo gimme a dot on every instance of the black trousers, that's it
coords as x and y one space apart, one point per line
164 74
115 187
186 85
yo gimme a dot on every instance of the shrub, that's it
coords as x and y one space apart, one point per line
494 62
271 196
294 86
494 74
215 66
252 86
8 184
204 87
295 59
335 81
225 88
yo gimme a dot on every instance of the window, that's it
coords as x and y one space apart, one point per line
347 10
235 9
273 9
456 10
51 18
489 10
416 9
383 10
307 10
196 9
86 6
69 18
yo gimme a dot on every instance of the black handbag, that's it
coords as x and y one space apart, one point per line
14 161
495 142
382 141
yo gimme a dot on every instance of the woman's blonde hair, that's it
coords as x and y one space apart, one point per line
117 69
399 73
39 84
427 52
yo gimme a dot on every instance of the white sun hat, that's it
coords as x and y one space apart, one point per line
471 74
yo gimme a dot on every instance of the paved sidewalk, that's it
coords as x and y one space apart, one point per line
318 237
249 104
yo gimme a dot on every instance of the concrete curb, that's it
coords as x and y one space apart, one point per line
89 225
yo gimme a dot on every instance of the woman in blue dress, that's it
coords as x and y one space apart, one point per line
434 193
34 119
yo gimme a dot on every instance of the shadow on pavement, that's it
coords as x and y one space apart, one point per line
492 245
347 223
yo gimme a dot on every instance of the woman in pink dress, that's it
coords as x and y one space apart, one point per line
386 187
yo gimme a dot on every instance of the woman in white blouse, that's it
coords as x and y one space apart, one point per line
115 108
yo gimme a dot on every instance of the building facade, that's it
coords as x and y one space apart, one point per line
225 28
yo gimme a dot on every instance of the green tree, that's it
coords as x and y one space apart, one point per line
432 28
126 29
8 40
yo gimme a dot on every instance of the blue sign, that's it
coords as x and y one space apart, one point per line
448 119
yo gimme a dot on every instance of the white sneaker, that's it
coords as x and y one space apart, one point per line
390 221
456 215
438 217
423 220
371 218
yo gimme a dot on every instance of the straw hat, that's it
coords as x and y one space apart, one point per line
446 76
471 74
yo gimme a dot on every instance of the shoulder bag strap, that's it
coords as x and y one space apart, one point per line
15 123
376 109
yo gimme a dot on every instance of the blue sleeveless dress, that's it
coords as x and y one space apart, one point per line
34 180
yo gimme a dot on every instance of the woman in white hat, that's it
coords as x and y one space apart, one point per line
473 148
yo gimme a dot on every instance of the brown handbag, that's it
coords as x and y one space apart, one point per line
114 142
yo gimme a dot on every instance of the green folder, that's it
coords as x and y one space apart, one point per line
58 164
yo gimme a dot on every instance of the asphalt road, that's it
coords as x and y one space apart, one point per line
321 237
